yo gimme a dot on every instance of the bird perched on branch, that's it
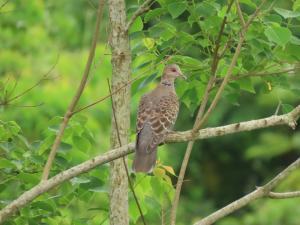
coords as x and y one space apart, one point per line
157 114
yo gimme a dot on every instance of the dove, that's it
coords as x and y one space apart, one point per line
157 114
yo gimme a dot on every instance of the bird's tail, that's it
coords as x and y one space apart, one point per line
144 161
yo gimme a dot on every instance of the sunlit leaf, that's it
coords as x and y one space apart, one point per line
287 13
279 35
170 170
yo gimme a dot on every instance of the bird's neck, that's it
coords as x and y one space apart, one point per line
167 83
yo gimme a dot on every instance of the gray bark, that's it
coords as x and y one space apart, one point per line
121 61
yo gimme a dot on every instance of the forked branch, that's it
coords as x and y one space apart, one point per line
260 192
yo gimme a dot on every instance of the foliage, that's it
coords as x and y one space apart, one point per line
36 34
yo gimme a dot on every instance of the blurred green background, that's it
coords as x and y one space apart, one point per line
51 38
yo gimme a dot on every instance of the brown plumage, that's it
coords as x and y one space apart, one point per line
156 116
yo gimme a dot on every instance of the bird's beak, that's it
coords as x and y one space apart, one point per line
182 76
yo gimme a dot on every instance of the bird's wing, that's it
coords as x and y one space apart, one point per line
155 119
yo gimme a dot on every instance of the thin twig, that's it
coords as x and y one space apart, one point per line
216 58
260 74
227 45
77 95
240 13
141 10
25 106
45 77
123 158
283 195
278 107
28 196
118 89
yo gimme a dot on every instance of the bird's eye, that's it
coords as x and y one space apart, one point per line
173 70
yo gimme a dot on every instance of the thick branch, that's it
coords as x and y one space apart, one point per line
76 97
286 119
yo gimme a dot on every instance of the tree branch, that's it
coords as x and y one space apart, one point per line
77 95
141 10
28 196
259 74
41 80
283 195
260 192
285 119
240 14
46 185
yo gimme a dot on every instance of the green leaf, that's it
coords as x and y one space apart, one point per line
170 170
149 42
158 172
81 143
186 37
147 80
162 30
46 144
134 211
79 180
29 178
176 9
279 35
286 108
4 163
43 205
233 98
287 13
137 25
273 18
249 3
153 14
205 9
296 5
188 61
246 85
14 127
295 40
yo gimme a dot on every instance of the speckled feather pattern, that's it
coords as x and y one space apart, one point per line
160 112
157 114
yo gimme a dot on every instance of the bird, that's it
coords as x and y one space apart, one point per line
156 116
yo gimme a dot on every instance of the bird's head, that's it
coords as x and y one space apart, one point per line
172 71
